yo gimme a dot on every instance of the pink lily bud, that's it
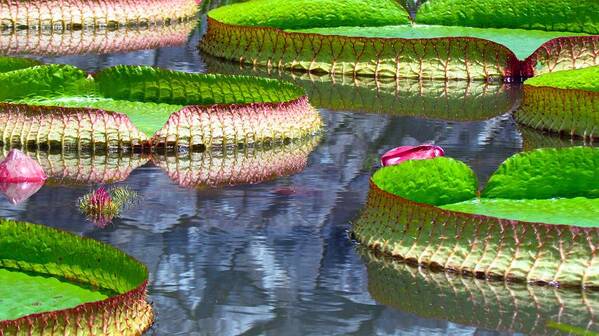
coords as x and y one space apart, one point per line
404 153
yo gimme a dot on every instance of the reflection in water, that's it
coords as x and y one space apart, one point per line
236 166
532 138
19 192
39 42
431 99
182 57
72 167
230 166
494 305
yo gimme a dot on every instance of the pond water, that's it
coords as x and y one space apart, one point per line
275 257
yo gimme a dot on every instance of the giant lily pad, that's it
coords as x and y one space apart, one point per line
76 14
62 106
56 283
536 220
563 101
492 305
354 38
523 42
458 100
93 40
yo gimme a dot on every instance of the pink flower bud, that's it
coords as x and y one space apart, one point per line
404 153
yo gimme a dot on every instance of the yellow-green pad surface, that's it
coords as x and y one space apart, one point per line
579 211
436 181
149 117
23 294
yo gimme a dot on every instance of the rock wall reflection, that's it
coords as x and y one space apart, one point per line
263 261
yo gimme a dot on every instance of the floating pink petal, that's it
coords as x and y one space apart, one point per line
294 191
17 167
19 192
404 153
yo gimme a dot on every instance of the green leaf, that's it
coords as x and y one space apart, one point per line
581 79
437 181
547 173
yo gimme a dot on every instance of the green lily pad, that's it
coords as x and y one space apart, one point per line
148 96
562 102
132 105
556 15
535 221
547 173
437 181
285 14
11 63
579 79
522 188
480 39
66 282
580 211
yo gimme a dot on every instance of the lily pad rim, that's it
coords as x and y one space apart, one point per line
291 34
482 218
361 38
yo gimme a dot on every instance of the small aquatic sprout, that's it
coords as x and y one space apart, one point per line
102 205
404 153
99 207
123 196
